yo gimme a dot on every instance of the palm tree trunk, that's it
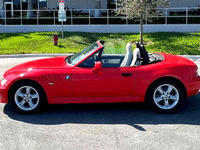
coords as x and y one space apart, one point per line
141 30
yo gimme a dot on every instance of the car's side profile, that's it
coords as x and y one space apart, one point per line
91 76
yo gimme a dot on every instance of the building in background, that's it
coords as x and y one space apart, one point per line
38 11
12 5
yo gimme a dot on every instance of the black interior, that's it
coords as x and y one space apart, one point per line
112 60
144 54
115 60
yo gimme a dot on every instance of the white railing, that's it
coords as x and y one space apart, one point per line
97 16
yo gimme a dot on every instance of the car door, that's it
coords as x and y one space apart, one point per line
109 82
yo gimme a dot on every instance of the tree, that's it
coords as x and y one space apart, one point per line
139 10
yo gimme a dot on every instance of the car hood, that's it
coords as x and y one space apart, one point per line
47 63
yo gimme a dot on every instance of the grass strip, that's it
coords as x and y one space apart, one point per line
41 42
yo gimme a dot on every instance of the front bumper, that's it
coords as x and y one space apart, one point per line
193 86
3 94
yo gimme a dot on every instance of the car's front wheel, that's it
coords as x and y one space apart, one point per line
165 96
27 97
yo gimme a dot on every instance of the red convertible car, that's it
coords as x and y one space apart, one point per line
90 76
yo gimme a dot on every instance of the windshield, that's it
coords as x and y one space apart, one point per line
82 54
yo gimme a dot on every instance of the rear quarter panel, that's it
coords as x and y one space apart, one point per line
147 74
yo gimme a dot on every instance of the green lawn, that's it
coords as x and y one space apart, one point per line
41 42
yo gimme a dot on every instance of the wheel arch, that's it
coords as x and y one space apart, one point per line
25 80
167 78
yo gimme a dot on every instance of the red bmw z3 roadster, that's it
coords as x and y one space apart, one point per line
90 76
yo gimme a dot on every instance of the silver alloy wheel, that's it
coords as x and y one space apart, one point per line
166 96
27 98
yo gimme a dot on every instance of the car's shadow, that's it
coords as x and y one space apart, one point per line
132 114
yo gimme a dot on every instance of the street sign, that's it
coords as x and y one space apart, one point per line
61 5
61 16
62 13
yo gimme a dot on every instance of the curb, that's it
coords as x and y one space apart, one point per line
191 56
32 55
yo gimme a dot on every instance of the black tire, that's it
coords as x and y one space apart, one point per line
165 96
27 97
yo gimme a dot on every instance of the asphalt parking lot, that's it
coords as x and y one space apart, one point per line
99 127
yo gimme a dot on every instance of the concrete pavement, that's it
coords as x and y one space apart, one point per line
99 127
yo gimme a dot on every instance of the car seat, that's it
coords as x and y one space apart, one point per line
128 57
136 57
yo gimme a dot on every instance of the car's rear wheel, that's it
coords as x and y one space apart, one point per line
27 97
165 96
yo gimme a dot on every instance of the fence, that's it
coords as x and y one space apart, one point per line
96 17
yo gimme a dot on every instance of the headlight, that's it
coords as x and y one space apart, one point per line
3 81
198 71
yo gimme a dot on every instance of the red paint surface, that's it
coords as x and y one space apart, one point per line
106 86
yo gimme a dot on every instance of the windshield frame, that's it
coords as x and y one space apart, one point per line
100 46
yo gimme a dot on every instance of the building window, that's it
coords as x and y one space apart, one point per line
42 4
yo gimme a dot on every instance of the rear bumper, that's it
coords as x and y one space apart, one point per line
3 94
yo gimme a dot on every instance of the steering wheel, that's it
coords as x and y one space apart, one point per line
88 62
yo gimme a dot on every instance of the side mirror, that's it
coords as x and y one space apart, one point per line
97 67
